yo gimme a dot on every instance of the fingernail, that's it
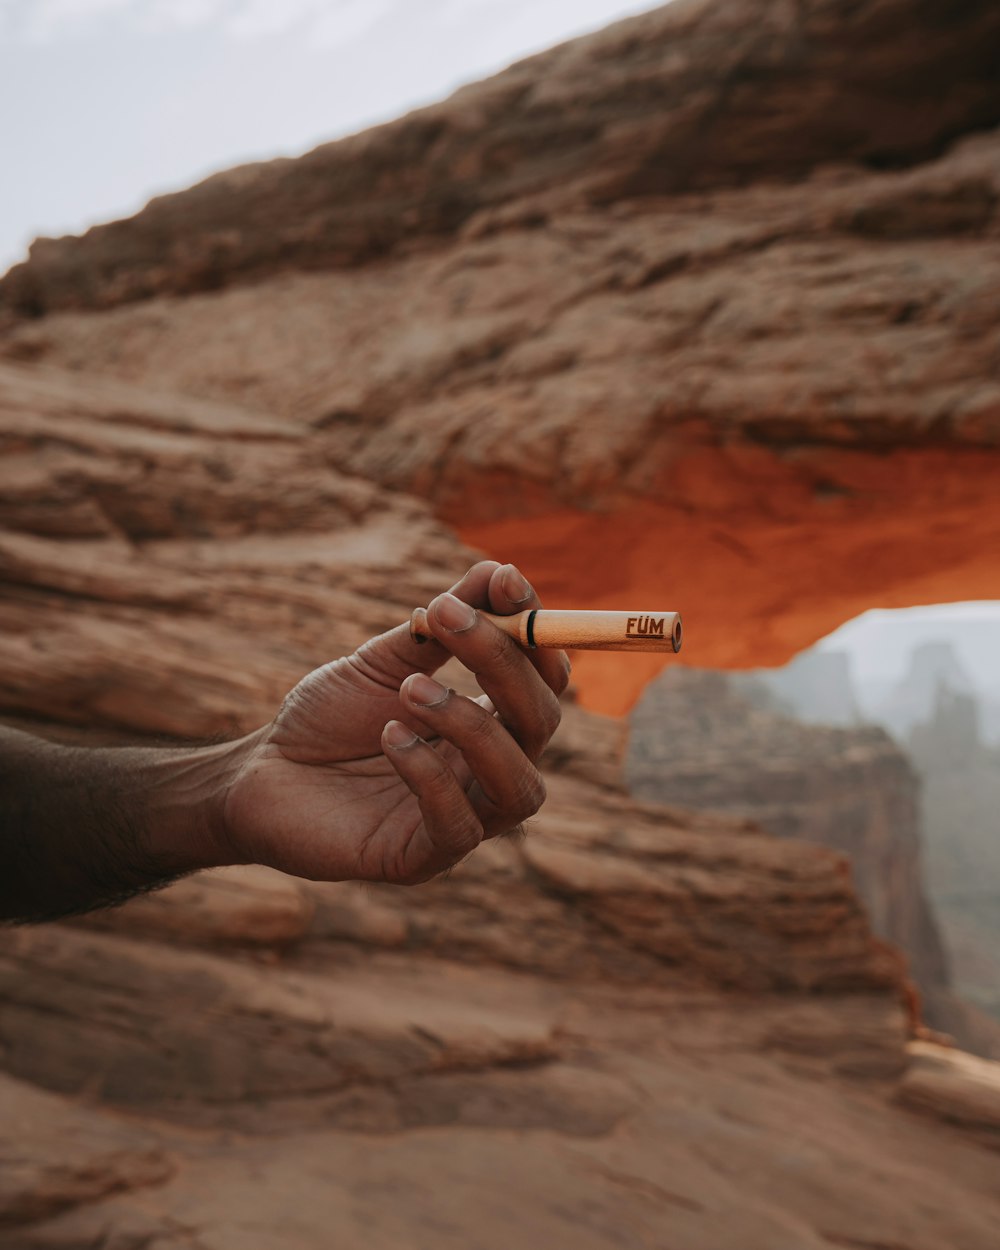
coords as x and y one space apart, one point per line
418 625
426 691
398 736
514 584
454 614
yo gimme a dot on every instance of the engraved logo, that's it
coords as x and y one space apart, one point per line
644 627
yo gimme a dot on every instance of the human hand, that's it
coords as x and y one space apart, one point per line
373 771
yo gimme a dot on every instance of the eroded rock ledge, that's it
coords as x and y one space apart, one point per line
690 96
558 1014
641 1018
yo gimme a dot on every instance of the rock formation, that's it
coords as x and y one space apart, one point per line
687 309
934 670
583 1019
696 740
960 802
816 687
690 97
785 383
936 720
962 1089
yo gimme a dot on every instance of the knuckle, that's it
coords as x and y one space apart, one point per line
480 725
558 683
536 731
551 715
458 834
501 653
530 797
539 792
433 771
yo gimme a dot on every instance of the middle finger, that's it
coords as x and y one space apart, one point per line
510 787
525 703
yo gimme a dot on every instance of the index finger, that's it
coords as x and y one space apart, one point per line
527 706
395 655
510 591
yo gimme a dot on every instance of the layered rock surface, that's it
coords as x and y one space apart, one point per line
145 539
689 96
55 1156
784 394
641 1026
630 1019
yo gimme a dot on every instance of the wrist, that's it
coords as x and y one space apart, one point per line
185 793
87 827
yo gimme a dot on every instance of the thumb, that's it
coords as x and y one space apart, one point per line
394 655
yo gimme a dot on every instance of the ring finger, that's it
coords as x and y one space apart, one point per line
509 788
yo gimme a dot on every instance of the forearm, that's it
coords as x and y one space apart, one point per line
84 828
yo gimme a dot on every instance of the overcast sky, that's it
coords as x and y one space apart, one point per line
104 103
880 642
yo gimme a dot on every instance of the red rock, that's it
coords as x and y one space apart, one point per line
246 905
180 551
638 323
741 404
54 1156
193 1036
721 1146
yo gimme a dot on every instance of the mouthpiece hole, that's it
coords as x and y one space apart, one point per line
678 635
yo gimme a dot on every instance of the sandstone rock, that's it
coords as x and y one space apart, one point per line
631 309
166 536
726 371
54 1155
150 648
602 892
692 95
772 402
856 1037
245 905
723 1147
606 889
184 1032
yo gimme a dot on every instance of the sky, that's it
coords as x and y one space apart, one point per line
881 641
105 103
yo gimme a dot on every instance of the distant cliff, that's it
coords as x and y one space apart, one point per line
961 818
935 714
696 740
816 687
934 669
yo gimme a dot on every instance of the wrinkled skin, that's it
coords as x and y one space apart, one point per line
368 774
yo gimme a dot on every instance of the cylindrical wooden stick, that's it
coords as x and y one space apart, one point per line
579 631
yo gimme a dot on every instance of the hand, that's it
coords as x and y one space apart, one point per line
372 771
